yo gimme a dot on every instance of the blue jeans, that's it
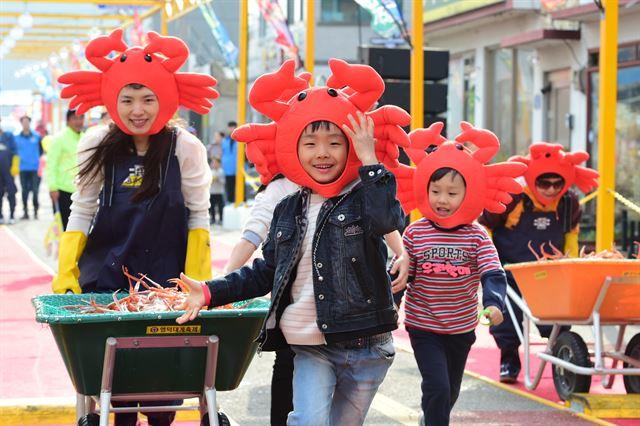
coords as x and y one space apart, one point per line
333 385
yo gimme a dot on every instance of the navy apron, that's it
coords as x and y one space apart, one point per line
537 227
512 246
148 237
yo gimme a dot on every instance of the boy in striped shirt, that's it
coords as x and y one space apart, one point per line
446 267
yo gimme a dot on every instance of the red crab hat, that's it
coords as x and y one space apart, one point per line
551 158
292 104
488 185
153 66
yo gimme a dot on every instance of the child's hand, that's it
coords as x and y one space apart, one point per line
493 315
400 266
362 138
194 302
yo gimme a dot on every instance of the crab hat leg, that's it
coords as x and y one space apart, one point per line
364 81
266 95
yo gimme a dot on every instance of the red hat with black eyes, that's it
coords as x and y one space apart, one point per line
547 158
292 104
487 185
153 66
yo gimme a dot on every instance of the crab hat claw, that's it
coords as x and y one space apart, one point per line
153 66
366 85
546 158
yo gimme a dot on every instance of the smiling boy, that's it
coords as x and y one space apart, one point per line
325 266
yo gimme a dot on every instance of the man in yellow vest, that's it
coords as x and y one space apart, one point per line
61 166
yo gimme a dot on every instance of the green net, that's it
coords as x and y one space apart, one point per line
52 308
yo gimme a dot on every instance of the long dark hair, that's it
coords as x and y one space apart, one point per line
117 145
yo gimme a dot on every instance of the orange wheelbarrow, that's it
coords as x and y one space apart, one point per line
593 292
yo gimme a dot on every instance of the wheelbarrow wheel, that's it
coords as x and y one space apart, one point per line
91 419
570 348
223 420
632 383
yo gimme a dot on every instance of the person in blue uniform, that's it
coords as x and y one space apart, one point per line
547 212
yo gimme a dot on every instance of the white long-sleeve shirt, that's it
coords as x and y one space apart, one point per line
194 171
256 228
298 322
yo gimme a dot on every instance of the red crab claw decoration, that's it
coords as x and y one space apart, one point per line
488 186
551 158
153 66
292 105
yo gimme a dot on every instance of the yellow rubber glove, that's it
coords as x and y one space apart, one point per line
197 265
72 245
571 243
15 165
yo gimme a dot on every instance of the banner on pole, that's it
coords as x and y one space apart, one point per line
272 13
386 19
220 35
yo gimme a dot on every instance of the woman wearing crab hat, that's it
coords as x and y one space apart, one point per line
547 213
147 179
450 254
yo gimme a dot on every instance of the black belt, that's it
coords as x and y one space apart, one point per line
364 342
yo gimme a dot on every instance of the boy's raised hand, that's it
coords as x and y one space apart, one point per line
193 303
361 135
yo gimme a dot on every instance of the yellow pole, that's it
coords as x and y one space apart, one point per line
242 94
310 38
164 18
607 96
417 73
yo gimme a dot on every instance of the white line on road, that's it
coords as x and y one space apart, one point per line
30 252
394 410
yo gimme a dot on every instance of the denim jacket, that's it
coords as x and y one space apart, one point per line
351 285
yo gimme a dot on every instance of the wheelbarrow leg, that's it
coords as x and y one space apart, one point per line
81 408
107 380
607 381
210 379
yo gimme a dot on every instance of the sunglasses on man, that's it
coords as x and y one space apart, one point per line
547 184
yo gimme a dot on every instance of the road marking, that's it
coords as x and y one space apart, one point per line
394 410
30 252
51 411
538 399
407 348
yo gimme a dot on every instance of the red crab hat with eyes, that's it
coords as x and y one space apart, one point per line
488 185
292 104
551 158
153 66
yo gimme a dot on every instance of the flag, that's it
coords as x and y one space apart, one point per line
220 35
272 13
386 19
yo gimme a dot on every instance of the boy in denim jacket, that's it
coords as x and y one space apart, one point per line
324 264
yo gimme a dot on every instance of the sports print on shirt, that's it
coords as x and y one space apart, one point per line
447 266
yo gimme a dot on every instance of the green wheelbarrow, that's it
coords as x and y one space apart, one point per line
142 356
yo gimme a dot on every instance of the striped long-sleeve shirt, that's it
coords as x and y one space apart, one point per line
447 265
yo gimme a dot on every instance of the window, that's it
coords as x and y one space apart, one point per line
343 12
469 88
627 130
512 100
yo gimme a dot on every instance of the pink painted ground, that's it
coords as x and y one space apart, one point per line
32 367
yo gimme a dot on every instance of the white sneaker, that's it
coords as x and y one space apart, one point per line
11 221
